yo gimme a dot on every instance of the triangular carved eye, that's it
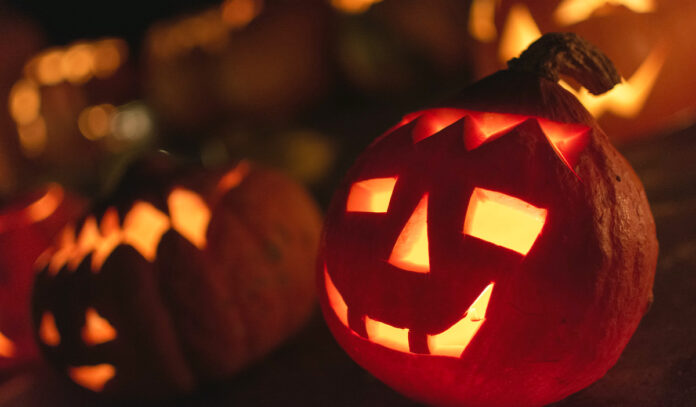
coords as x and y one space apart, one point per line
411 251
372 195
503 220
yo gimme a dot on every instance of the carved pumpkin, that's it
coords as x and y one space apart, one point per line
649 41
173 284
26 230
495 251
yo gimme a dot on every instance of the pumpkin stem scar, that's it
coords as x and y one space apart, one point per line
555 54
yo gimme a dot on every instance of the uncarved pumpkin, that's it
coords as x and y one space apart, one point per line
174 283
496 250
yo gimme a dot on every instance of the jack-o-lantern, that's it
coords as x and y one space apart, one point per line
494 252
26 229
649 41
172 284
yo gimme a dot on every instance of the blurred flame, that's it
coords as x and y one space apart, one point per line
482 20
25 102
33 137
94 122
238 13
48 67
353 6
574 11
108 55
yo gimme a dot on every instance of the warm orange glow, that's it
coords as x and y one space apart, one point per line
335 299
110 232
92 377
489 125
189 215
519 31
87 240
233 178
568 140
48 332
46 205
372 195
65 248
24 102
411 251
238 13
48 67
627 98
456 338
143 228
574 11
353 6
7 347
77 63
94 122
97 330
33 137
482 20
108 56
503 220
387 335
432 121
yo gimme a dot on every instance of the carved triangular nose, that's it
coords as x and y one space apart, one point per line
411 251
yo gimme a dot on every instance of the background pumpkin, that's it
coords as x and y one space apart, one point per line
649 41
27 227
170 284
496 250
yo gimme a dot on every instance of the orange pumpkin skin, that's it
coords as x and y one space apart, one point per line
557 317
27 227
207 300
635 41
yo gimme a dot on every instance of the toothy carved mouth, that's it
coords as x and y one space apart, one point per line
451 342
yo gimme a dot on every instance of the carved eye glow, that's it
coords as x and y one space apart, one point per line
190 215
48 332
573 11
372 195
503 220
411 251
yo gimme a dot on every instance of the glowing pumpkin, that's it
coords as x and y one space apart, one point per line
496 251
648 40
173 284
26 230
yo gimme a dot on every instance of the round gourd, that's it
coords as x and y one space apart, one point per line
178 280
496 250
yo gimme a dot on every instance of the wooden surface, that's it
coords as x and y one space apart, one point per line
657 369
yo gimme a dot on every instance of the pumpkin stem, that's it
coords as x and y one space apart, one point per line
555 54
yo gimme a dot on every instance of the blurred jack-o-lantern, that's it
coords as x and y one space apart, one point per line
497 251
253 59
650 42
27 227
171 284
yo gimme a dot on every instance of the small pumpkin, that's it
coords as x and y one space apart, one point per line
649 41
495 250
27 226
177 280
